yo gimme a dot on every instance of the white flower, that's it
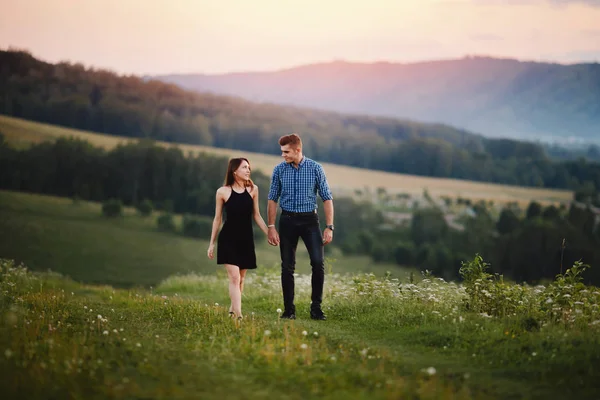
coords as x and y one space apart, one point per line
8 353
429 371
534 354
105 333
304 333
99 316
217 304
279 311
304 346
315 334
138 344
549 301
267 332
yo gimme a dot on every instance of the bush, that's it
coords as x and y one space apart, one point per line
112 208
145 208
404 253
166 223
197 227
489 294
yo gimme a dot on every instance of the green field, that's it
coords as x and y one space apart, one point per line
384 339
344 180
74 239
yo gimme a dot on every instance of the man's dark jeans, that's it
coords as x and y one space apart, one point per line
291 228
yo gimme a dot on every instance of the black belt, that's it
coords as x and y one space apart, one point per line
298 214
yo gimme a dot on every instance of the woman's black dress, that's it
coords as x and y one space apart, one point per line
235 244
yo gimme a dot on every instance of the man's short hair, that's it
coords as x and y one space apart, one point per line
292 139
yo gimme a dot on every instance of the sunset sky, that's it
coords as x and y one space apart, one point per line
178 36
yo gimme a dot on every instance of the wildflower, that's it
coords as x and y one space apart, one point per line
549 301
333 358
105 333
115 331
99 316
8 353
138 344
216 304
304 346
304 333
534 354
315 334
267 333
279 311
429 371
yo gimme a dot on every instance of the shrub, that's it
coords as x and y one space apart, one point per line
166 223
145 208
197 227
112 208
488 293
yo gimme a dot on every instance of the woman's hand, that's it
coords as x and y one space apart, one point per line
211 251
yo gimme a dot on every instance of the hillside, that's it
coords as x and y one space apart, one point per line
89 99
494 97
344 179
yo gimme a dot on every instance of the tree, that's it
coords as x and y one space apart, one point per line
507 222
533 210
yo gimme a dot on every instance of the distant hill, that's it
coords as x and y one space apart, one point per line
97 100
494 97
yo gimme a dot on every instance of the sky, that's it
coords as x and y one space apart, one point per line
219 36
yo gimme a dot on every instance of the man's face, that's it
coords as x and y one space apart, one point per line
290 154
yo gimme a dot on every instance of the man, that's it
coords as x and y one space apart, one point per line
296 182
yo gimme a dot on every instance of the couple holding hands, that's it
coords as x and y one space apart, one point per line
295 184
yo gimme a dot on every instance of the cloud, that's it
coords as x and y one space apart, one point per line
485 37
591 3
578 56
594 33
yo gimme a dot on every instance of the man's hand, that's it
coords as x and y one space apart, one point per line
211 251
273 236
327 236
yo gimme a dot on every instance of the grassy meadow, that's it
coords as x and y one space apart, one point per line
73 238
345 180
384 339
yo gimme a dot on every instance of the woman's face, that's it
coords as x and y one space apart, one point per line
243 171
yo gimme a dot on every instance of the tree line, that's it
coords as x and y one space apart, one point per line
98 100
524 247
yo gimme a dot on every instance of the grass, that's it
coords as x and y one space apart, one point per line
384 339
344 180
75 240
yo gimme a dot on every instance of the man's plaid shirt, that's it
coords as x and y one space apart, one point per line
298 187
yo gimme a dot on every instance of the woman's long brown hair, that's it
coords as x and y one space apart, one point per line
234 164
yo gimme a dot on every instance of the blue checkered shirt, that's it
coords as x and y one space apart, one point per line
298 187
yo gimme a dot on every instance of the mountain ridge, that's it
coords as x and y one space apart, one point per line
497 97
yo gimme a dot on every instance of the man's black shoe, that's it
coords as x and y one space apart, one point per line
288 315
318 315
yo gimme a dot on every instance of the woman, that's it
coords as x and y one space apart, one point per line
235 247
